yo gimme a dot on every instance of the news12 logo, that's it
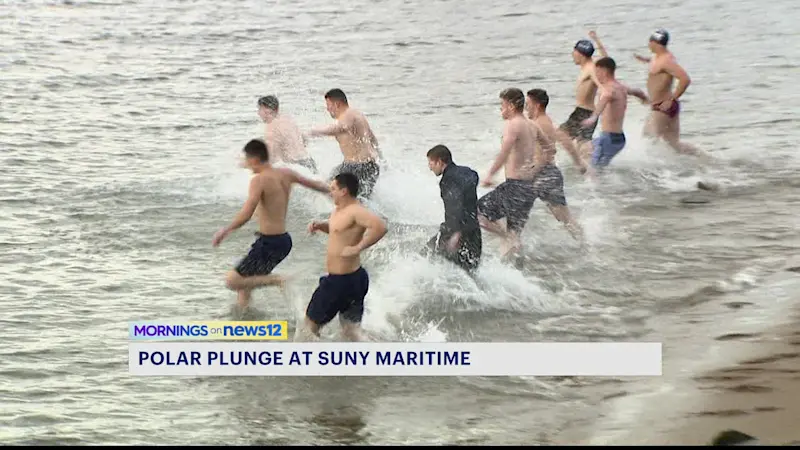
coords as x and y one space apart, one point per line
275 330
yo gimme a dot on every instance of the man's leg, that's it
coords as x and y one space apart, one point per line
549 186
320 311
491 208
563 215
671 133
350 317
236 282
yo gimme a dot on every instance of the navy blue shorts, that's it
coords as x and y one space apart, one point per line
339 294
265 254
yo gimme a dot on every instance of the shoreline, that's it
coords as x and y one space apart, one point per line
744 375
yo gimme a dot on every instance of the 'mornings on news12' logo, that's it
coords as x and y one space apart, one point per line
276 330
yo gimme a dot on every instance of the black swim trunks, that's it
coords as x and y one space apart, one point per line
265 254
549 185
468 253
306 162
339 294
573 125
512 199
367 173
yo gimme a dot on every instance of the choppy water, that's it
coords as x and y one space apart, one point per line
120 124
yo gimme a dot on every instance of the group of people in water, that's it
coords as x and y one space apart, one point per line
527 155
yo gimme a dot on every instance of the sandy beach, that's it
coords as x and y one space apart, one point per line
756 392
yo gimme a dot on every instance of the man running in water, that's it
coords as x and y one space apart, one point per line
459 238
571 130
664 121
548 183
512 199
269 193
612 106
282 135
351 229
536 106
357 142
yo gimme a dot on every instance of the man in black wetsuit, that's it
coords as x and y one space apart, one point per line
459 237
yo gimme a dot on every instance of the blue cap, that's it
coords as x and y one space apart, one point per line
660 36
585 48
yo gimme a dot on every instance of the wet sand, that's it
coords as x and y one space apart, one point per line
759 395
756 393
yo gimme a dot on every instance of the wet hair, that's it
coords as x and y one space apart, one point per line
440 153
336 95
348 181
515 97
540 97
269 102
606 63
256 148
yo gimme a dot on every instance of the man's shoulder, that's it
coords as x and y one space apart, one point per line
467 172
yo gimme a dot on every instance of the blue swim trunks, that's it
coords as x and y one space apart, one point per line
606 147
339 294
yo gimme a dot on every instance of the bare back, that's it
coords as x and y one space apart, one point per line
276 186
659 82
357 141
614 113
547 140
344 231
286 139
520 162
586 88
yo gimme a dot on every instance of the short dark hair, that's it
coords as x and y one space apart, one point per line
540 97
257 148
440 153
269 102
348 181
336 95
606 63
515 97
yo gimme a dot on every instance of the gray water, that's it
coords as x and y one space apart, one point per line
121 124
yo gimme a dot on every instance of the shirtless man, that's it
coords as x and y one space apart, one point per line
549 183
351 229
584 97
282 135
664 120
269 192
612 106
356 140
512 199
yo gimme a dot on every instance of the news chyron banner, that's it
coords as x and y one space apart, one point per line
264 349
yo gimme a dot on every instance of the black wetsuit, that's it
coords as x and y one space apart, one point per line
459 186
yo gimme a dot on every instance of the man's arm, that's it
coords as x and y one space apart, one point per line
319 226
509 138
273 145
337 127
600 47
453 198
548 146
249 207
605 98
375 227
638 93
374 142
675 69
642 59
316 185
